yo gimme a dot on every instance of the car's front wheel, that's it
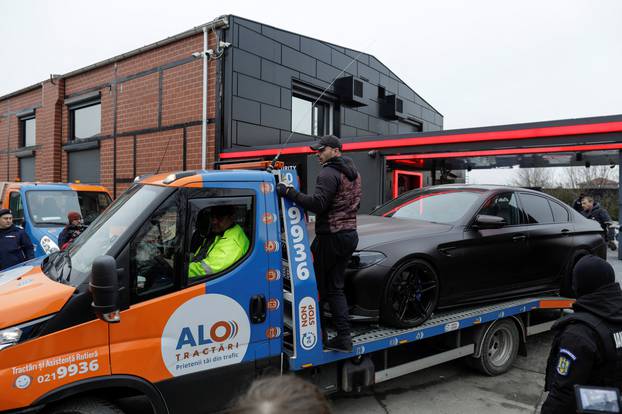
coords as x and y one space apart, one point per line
410 294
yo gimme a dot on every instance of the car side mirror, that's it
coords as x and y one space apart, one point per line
104 287
484 221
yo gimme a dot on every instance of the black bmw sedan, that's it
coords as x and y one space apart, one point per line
454 245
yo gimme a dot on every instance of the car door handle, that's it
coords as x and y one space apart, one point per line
446 251
519 237
565 232
257 309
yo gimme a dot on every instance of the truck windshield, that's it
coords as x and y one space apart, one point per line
92 204
50 207
109 227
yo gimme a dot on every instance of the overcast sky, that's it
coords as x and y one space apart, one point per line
477 62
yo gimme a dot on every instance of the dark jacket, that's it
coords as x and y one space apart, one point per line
599 214
337 196
68 235
578 355
15 247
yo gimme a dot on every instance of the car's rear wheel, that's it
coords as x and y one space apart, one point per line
411 294
499 347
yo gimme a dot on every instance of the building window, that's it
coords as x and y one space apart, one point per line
85 120
28 127
311 119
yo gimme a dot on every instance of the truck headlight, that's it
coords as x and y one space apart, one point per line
9 337
48 245
363 259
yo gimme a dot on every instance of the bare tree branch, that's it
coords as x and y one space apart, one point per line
533 177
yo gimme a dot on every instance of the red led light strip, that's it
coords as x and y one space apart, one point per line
599 128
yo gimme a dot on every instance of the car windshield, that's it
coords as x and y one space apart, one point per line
50 207
439 206
109 227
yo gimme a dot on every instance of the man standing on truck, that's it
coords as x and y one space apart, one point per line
587 348
335 201
15 245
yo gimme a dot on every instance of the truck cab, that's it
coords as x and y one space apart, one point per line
175 337
41 208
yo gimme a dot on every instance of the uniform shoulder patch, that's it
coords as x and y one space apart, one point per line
563 365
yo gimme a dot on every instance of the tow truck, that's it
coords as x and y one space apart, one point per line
115 320
41 208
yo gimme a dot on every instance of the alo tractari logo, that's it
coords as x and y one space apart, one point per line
197 337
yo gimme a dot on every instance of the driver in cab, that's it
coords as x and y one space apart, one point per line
223 242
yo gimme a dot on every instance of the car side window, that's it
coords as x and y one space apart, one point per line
537 209
503 205
15 204
152 252
221 234
560 214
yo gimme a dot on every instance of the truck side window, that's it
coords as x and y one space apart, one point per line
153 252
221 235
15 204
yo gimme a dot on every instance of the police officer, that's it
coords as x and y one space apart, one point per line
15 245
587 348
335 201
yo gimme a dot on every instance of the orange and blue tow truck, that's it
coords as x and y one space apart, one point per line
115 320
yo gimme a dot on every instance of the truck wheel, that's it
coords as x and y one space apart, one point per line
85 406
499 347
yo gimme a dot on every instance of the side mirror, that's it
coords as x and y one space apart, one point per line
484 221
104 287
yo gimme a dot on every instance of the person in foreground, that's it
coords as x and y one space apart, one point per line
281 394
587 348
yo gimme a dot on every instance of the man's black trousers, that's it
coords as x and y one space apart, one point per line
331 254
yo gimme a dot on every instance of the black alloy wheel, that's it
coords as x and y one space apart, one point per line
411 295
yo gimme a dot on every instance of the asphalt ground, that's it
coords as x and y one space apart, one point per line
453 387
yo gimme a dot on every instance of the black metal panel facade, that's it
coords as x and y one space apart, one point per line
259 71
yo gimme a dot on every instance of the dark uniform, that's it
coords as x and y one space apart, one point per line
335 201
587 348
15 247
599 214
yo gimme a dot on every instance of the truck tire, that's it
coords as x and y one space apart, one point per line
499 347
84 405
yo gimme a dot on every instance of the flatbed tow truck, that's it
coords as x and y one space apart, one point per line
89 330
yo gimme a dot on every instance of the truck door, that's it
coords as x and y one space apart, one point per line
198 338
15 204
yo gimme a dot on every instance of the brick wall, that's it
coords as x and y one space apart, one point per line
157 99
